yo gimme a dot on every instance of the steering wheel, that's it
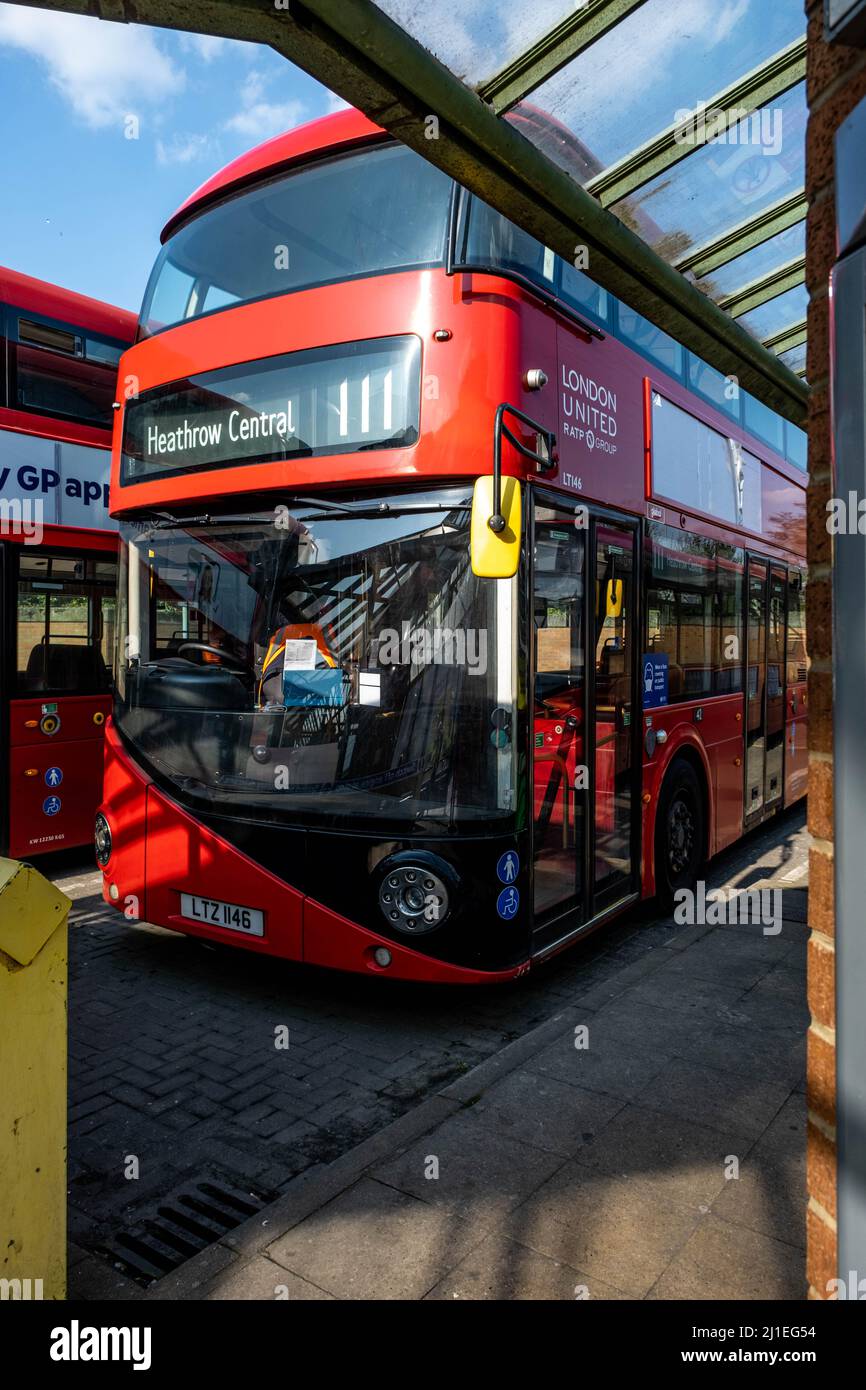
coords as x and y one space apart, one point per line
225 657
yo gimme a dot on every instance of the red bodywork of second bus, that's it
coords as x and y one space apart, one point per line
69 734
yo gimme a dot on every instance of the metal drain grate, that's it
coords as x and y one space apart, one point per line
181 1227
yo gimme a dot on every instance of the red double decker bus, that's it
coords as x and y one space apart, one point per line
460 607
59 355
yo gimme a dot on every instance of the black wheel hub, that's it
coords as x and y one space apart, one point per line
681 836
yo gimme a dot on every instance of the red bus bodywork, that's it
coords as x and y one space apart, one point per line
46 729
480 334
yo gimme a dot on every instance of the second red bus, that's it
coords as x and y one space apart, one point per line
59 355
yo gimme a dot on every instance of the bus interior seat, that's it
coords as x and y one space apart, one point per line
66 666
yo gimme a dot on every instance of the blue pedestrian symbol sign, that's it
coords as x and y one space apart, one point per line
51 805
53 777
508 904
508 867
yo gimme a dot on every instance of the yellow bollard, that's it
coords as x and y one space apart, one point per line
33 917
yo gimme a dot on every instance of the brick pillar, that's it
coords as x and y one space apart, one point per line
836 82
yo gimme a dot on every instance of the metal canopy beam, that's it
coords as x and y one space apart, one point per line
551 52
360 53
703 260
790 337
784 277
721 113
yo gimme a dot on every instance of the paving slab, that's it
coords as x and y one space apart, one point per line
602 1065
544 1112
503 1269
616 1229
785 1139
766 1197
720 1100
723 1260
677 1159
467 1167
372 1243
260 1279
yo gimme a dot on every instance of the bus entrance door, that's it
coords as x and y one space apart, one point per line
59 621
585 800
614 794
765 692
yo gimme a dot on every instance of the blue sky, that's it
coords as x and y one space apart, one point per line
83 205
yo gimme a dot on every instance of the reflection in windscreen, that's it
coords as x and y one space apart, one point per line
321 660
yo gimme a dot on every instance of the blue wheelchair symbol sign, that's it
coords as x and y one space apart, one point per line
51 805
508 903
508 867
53 777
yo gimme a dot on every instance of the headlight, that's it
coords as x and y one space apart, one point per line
415 892
102 839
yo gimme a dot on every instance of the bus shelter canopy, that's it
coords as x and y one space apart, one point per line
662 143
686 120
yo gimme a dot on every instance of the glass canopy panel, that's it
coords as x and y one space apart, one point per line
755 264
720 185
782 312
477 38
795 358
656 64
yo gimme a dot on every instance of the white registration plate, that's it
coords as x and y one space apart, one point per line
211 912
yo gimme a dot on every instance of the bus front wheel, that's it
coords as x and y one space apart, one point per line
680 832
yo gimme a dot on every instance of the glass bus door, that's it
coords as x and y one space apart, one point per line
756 688
614 795
559 725
59 630
774 770
585 798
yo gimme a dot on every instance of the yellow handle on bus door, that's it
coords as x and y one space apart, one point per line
615 598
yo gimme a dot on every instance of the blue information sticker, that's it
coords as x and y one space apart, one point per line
654 679
508 904
54 776
51 805
306 689
508 866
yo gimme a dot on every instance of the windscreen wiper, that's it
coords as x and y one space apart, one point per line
381 509
160 521
164 520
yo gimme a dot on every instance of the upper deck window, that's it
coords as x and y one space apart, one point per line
653 342
700 468
765 423
722 391
487 239
380 209
796 445
61 370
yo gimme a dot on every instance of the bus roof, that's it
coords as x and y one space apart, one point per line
26 292
345 127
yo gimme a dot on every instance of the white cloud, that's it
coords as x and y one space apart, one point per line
104 70
182 148
204 46
258 118
267 118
